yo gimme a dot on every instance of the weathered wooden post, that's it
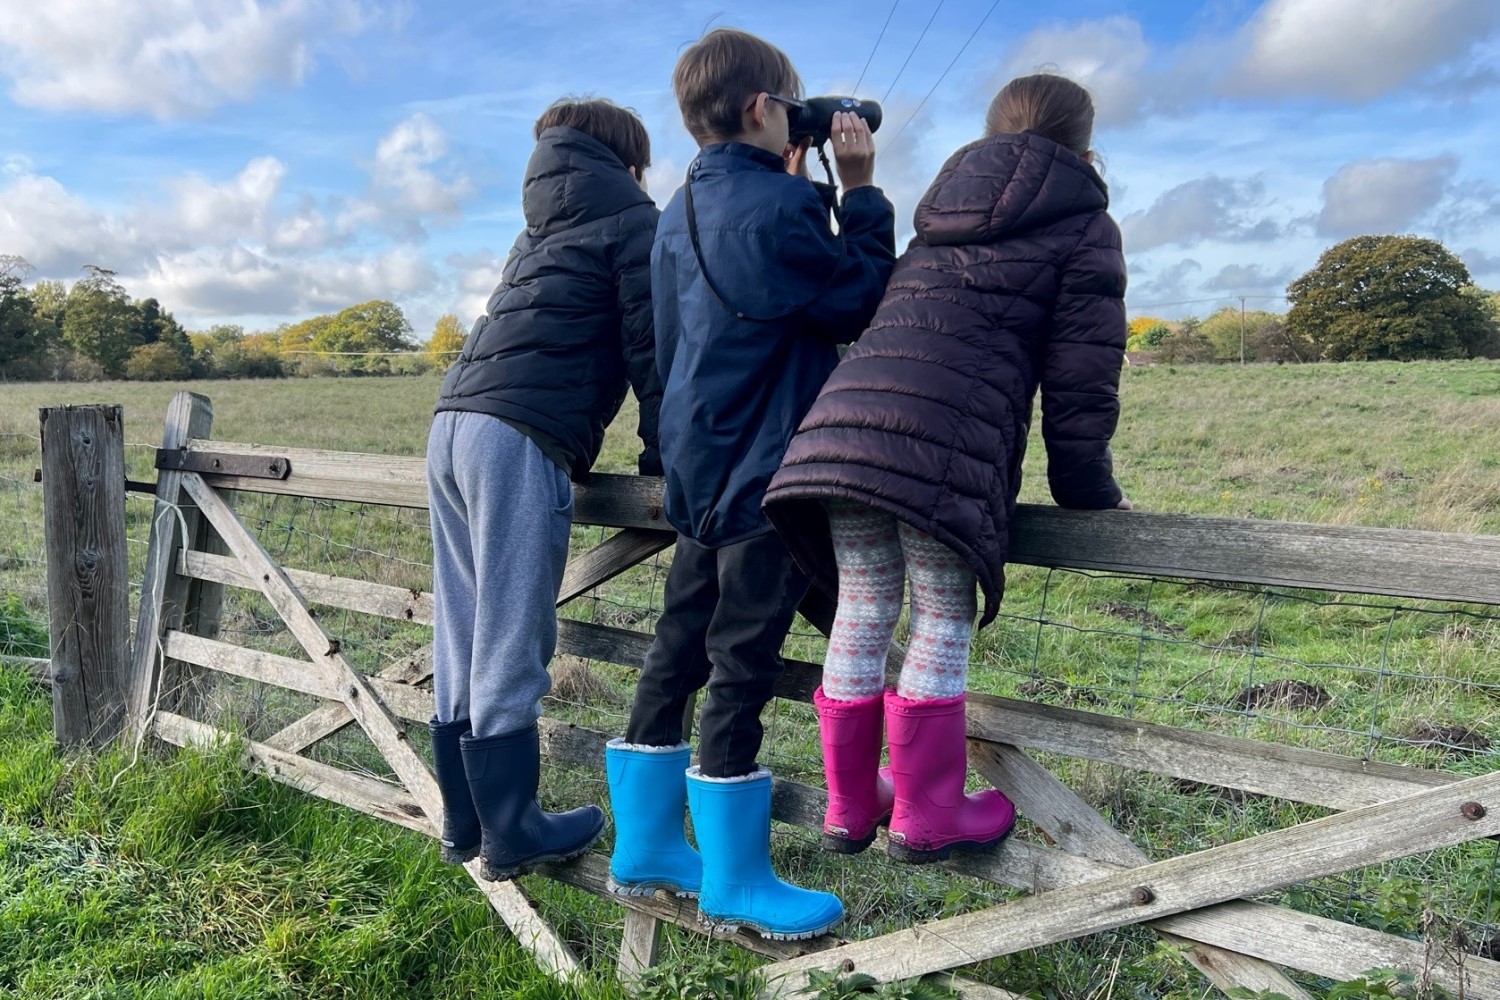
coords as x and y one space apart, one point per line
83 494
170 601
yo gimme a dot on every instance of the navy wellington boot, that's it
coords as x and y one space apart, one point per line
503 773
460 839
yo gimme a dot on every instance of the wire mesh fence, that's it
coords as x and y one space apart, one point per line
23 561
1399 682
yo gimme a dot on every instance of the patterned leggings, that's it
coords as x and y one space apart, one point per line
876 554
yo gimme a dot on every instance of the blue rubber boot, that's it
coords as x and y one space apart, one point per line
460 838
732 818
648 794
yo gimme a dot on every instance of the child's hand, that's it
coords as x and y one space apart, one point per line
796 158
853 150
1124 504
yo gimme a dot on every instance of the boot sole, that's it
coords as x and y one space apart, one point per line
836 844
639 889
898 851
493 873
726 928
458 855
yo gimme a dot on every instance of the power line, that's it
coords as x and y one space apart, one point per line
1194 302
372 354
878 40
972 35
914 47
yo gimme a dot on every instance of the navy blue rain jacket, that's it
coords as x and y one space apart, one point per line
735 386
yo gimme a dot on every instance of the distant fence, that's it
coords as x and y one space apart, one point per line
1209 739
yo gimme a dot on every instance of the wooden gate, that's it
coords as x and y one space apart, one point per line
1088 878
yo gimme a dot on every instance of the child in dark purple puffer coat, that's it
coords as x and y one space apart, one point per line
909 463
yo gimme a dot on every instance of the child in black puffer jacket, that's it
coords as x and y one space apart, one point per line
522 414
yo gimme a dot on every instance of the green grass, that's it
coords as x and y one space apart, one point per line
185 877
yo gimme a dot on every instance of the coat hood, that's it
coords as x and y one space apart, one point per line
1005 186
573 179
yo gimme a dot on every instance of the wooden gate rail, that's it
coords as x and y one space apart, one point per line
1301 941
1094 879
1390 562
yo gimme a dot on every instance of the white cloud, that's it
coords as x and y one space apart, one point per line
405 190
665 174
240 209
1354 50
1347 50
165 58
237 280
474 277
1110 57
1206 209
1164 290
1481 263
243 245
1470 206
401 169
59 232
1248 278
906 167
1382 196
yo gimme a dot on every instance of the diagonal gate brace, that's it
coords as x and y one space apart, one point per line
1426 821
364 704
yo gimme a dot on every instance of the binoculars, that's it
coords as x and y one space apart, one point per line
813 118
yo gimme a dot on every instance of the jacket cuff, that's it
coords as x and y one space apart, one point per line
1103 497
868 198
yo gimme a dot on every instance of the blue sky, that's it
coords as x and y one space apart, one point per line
257 161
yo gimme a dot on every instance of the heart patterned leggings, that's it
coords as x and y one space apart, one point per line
876 554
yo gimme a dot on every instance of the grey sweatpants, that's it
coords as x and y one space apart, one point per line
501 513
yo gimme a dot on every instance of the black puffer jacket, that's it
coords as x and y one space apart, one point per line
570 322
1015 279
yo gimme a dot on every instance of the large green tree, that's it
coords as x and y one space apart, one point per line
224 351
100 322
1399 298
351 340
376 326
49 300
22 346
1186 345
1489 345
155 325
1223 329
447 339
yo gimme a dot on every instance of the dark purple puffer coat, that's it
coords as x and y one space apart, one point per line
1015 280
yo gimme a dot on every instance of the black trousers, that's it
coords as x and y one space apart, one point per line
725 614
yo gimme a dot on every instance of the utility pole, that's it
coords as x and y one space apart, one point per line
1242 331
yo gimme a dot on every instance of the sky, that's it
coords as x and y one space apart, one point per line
260 161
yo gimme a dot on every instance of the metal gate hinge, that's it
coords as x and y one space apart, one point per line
219 464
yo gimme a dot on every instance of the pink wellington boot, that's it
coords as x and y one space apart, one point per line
929 763
859 789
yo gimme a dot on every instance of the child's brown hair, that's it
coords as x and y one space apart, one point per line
1047 105
720 74
619 129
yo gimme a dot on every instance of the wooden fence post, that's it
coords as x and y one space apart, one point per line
88 594
170 601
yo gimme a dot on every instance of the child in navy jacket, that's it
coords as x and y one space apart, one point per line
753 293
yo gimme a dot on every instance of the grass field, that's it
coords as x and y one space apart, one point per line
181 876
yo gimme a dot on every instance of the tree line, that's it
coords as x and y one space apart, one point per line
1370 298
94 330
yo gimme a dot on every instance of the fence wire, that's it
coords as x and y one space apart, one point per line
23 562
1406 682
